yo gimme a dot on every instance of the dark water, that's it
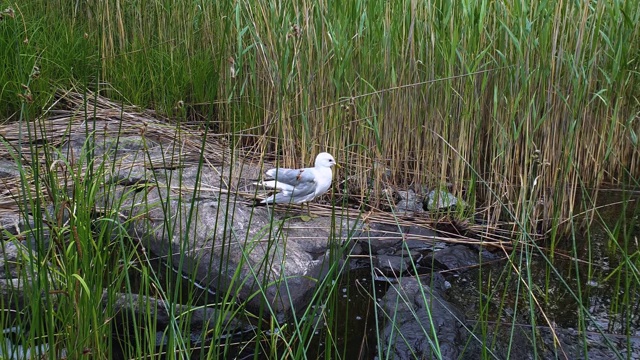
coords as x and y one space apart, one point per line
601 267
597 267
354 327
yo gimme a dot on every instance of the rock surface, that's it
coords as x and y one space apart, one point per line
230 247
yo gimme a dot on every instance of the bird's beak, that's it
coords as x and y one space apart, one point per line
338 166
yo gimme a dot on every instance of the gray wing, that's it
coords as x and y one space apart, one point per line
292 177
297 185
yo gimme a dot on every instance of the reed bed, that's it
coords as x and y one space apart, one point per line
524 109
519 103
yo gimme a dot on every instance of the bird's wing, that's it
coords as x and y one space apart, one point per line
297 185
292 177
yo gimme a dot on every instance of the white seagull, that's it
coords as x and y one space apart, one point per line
299 186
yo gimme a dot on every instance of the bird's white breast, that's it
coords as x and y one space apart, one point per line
323 181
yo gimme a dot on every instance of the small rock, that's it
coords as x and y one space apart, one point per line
457 257
8 169
440 199
410 202
393 265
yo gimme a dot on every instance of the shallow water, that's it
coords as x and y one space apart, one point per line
587 268
355 328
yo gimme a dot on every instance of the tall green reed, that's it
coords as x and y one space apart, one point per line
296 63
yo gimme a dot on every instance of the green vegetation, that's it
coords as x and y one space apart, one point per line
526 110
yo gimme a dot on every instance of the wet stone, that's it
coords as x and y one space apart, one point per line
393 265
456 257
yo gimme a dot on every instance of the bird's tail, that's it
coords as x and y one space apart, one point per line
257 203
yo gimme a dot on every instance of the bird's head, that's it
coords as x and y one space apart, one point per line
325 160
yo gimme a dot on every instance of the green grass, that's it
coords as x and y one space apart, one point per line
526 109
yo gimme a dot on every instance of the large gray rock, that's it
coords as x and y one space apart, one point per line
392 237
233 248
185 198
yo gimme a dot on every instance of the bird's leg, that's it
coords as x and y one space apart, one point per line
305 217
309 210
268 212
309 216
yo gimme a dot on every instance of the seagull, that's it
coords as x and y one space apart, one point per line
297 186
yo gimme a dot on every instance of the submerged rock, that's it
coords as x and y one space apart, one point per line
135 312
420 323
